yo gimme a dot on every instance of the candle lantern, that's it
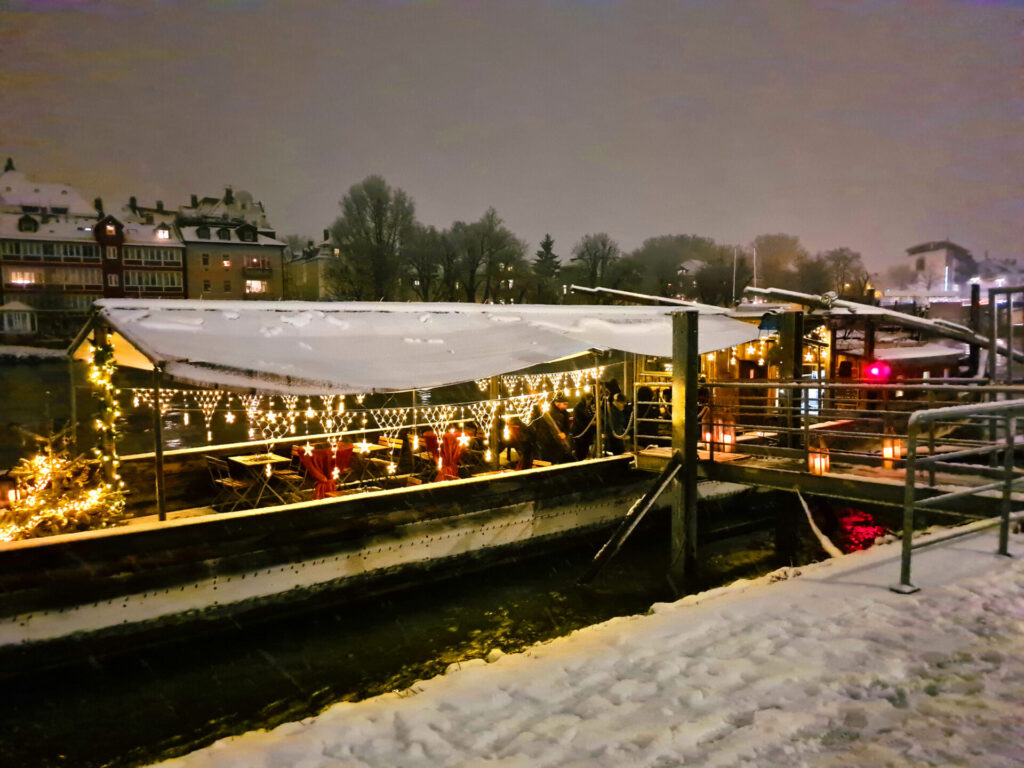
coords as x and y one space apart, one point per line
818 462
892 448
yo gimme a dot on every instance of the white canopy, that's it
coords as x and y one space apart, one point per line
352 347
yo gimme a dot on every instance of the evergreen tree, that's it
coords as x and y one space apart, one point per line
546 268
60 493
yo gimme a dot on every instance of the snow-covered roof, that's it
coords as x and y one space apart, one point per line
136 233
189 235
932 353
55 228
17 190
16 306
354 347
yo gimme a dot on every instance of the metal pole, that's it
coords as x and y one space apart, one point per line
993 334
685 434
905 587
1004 525
158 443
734 274
494 393
73 402
1009 337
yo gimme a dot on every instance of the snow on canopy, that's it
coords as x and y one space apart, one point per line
352 347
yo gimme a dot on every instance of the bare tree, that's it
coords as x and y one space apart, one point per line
595 253
370 234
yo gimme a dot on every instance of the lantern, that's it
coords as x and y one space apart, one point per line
724 437
818 462
892 448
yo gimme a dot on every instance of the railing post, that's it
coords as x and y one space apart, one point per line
1004 525
158 443
905 587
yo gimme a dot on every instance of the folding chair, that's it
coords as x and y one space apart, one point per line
231 491
292 477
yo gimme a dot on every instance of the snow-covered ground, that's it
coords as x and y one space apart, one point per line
818 667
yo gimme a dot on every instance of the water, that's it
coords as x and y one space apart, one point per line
126 710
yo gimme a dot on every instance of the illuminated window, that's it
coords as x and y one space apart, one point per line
225 261
111 229
163 234
255 286
22 278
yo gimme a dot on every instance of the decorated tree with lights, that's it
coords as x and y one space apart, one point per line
58 492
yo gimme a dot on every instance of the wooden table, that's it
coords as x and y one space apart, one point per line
259 467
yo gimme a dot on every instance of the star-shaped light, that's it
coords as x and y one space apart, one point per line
308 449
463 439
363 446
229 417
392 467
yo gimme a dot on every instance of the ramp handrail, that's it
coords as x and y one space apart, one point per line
1005 412
633 518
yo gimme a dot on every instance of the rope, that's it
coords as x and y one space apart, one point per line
581 434
629 424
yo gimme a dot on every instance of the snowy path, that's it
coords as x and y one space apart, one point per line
827 668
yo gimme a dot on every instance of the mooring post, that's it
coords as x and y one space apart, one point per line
791 338
158 442
685 434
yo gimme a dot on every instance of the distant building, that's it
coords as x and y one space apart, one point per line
51 269
942 265
306 270
230 250
58 254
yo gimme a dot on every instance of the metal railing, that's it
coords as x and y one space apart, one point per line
995 415
859 422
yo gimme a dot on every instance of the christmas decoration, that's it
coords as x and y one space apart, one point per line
60 493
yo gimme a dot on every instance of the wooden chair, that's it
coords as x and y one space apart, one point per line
231 491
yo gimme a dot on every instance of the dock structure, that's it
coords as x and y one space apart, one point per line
860 442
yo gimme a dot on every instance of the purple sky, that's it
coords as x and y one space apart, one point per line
874 125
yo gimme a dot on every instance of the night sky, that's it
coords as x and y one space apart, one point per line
873 125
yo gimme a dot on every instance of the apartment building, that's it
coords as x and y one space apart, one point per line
231 252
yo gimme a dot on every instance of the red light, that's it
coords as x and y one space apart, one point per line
879 370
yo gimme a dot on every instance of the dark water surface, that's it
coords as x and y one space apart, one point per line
139 707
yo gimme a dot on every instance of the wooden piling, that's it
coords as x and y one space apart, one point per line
685 434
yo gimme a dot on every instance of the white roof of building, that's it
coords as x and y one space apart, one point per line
17 190
362 347
188 235
56 228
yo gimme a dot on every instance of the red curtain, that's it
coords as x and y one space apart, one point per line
450 454
320 465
